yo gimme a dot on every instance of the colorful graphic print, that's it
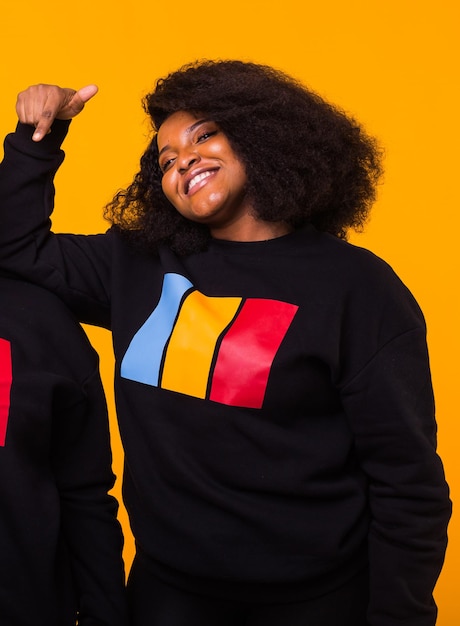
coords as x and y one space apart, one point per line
217 348
6 378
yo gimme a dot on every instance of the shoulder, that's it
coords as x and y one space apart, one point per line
355 264
366 281
357 259
39 324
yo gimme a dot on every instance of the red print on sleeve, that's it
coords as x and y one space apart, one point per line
6 378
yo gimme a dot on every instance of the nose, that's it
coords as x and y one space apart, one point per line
186 159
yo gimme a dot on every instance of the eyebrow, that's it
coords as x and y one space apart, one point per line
189 130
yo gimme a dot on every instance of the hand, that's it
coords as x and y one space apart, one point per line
40 105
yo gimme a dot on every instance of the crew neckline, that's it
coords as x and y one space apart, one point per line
283 242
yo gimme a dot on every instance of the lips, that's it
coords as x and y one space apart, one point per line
196 178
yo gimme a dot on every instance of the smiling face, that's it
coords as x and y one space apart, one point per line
202 176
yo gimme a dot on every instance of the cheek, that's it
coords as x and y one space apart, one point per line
167 187
240 177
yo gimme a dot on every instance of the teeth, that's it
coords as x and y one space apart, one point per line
196 179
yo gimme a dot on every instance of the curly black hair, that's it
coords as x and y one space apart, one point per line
306 161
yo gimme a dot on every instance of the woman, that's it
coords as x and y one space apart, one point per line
273 386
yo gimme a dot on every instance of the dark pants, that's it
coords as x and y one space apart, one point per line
154 603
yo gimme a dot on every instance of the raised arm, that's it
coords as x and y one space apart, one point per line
75 267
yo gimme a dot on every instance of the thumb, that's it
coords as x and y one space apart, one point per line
86 93
77 102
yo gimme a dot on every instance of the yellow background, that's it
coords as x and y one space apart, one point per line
393 64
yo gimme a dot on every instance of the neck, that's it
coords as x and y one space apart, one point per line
254 230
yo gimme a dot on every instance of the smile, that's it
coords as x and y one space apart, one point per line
198 178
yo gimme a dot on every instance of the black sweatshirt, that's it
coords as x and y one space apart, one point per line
274 400
60 542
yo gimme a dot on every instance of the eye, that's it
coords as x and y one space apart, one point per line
206 135
165 165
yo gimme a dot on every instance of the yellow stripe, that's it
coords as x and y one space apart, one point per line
193 342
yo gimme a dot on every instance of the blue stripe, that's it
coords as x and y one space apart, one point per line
142 360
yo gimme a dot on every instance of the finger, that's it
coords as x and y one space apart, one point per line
47 110
43 125
77 102
86 93
28 101
20 112
40 104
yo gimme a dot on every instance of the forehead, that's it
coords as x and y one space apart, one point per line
178 124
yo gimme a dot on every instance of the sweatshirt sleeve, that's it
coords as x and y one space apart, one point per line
75 267
390 407
92 534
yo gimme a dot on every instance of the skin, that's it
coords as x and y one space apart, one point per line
206 182
40 105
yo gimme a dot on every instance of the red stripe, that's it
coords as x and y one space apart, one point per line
6 378
247 351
